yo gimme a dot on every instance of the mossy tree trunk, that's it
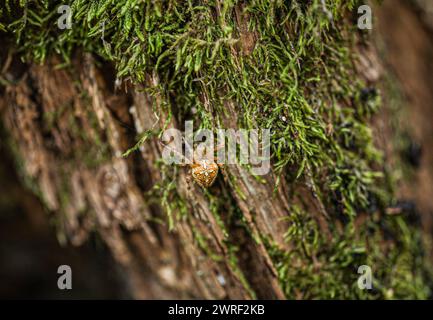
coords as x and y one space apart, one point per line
301 69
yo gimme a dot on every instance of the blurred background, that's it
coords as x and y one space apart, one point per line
30 252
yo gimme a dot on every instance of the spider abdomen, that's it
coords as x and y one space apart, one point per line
204 173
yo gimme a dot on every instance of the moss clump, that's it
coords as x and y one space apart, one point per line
297 79
319 268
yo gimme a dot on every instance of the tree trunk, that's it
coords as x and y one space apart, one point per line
330 204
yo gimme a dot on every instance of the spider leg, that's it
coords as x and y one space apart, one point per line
222 168
188 178
185 163
218 147
189 150
189 182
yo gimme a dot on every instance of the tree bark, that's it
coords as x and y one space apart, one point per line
67 128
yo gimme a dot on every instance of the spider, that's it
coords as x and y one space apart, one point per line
202 169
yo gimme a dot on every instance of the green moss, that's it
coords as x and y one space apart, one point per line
316 268
298 80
